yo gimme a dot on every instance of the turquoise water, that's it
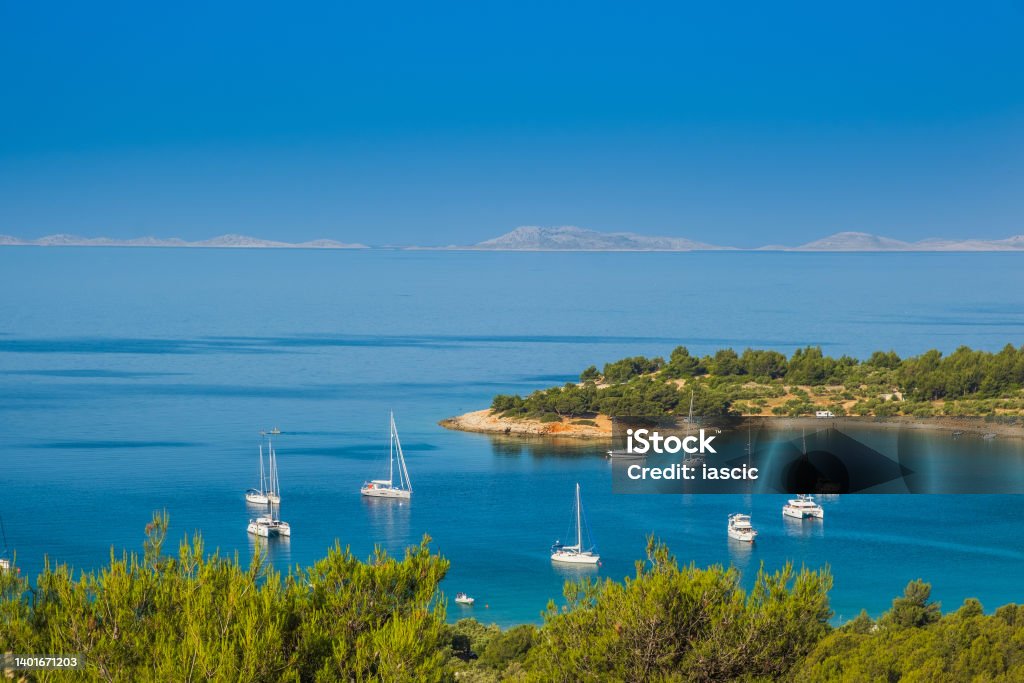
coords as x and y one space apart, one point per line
137 380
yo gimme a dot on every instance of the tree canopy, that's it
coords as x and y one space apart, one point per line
195 616
756 381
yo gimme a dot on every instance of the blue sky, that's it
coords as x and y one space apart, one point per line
434 123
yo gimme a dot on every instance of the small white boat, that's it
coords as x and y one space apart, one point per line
387 488
740 528
575 554
464 599
275 431
803 507
5 564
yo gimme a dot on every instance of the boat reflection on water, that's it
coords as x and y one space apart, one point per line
277 550
546 447
740 553
573 572
388 518
799 528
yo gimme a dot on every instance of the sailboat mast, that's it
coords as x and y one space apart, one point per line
273 468
263 476
403 472
391 449
579 526
689 418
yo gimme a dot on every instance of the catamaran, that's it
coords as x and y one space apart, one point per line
387 488
575 554
269 525
802 507
740 528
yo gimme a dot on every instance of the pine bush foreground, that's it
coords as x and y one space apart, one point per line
199 616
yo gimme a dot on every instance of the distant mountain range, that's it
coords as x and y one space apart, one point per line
222 242
578 239
567 238
862 241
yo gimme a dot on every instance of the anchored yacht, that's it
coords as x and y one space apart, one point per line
803 507
575 554
388 488
740 528
259 496
268 525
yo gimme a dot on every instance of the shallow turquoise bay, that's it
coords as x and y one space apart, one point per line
137 380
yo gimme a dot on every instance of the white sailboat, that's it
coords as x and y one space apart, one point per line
259 496
575 554
388 488
696 459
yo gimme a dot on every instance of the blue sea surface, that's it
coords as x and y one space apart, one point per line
135 380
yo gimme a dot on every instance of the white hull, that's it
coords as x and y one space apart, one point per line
259 529
274 498
5 564
385 493
574 557
744 536
802 514
256 498
465 601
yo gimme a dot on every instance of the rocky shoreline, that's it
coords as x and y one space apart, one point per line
485 422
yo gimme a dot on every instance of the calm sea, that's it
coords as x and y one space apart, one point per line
138 380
